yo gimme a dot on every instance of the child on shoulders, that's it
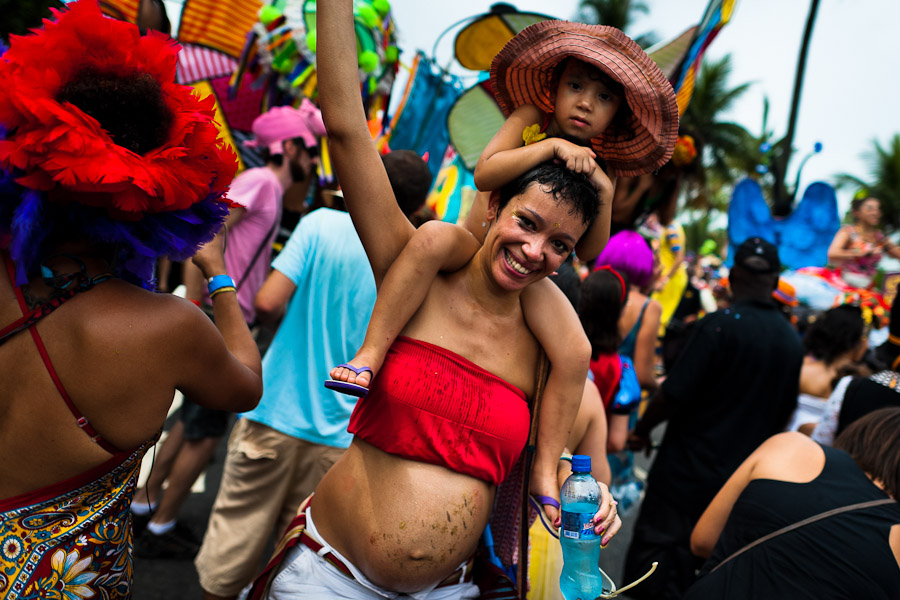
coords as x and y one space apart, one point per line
585 96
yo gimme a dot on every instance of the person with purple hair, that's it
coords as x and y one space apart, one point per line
628 253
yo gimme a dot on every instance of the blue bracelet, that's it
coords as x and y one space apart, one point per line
219 281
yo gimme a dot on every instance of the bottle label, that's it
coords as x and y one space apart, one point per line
578 526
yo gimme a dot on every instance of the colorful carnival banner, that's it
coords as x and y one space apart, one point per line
124 10
453 191
218 24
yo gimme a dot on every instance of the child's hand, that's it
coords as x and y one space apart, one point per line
580 159
603 183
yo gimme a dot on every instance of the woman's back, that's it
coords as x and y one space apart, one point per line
109 358
845 556
631 320
118 352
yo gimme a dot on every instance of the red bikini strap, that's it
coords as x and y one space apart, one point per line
546 122
80 419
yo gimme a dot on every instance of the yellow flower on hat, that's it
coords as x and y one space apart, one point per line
533 134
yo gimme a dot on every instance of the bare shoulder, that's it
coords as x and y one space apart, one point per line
789 456
527 112
652 314
442 231
150 319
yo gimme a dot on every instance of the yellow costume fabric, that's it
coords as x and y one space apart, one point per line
544 564
671 243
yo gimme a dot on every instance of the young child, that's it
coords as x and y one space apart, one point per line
578 94
603 296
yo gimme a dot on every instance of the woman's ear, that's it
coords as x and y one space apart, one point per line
493 207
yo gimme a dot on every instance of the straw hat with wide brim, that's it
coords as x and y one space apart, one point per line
521 74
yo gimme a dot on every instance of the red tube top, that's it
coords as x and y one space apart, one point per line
431 405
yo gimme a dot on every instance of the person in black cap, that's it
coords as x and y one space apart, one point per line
734 385
856 396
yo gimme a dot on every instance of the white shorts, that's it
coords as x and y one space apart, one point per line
305 574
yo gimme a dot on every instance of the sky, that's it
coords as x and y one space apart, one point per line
850 88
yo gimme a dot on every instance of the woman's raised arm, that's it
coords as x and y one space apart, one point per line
381 225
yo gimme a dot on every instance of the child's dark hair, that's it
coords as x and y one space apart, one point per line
618 127
131 108
600 306
561 183
834 333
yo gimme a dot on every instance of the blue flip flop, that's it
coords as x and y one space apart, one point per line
351 389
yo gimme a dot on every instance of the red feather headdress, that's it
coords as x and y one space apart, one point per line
52 143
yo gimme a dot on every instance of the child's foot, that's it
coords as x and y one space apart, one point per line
354 377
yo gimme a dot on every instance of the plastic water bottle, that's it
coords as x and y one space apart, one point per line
580 579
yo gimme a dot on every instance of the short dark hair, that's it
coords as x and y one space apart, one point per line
564 185
835 332
600 307
874 443
745 282
410 179
131 108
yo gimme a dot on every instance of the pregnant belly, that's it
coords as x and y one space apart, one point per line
406 525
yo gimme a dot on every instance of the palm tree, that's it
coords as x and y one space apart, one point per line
725 143
616 13
884 182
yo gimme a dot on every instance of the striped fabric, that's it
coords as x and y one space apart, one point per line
717 15
196 63
124 10
218 24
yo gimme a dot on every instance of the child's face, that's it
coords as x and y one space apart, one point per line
585 104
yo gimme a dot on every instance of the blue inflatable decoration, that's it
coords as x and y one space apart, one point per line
802 238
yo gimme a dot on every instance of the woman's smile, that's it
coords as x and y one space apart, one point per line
516 265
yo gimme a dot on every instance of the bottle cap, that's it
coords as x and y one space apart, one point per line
581 463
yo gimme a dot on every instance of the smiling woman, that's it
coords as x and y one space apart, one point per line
857 248
404 508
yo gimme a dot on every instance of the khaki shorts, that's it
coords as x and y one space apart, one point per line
267 475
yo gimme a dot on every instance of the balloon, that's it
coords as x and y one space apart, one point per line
267 14
369 16
391 54
368 61
382 6
311 40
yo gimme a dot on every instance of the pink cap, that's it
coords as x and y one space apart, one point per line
286 123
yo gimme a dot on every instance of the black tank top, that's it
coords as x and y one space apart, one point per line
846 556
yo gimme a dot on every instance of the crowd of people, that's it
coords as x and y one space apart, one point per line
407 424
